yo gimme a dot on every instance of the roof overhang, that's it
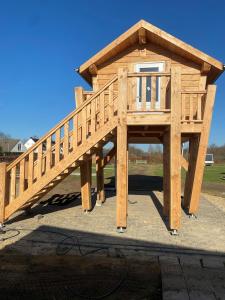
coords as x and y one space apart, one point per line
143 32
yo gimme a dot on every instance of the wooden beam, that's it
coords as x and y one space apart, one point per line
184 163
2 191
85 176
190 176
109 156
175 150
205 68
79 96
166 173
122 162
93 69
100 176
142 36
200 152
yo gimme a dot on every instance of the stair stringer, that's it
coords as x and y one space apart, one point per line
60 167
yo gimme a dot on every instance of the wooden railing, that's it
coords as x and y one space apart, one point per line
192 106
149 91
61 141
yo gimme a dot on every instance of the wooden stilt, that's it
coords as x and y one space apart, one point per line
100 176
85 175
175 150
190 175
166 173
122 182
199 151
2 191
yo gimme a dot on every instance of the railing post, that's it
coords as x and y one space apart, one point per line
2 192
122 162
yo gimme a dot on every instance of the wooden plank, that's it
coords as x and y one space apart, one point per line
57 146
39 162
153 92
101 109
48 154
122 182
163 87
184 163
166 173
202 149
85 177
84 124
143 94
93 117
111 105
75 132
31 169
189 180
142 36
13 184
66 139
22 175
148 119
175 150
2 191
100 176
79 97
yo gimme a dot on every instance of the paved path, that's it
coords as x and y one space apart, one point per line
192 264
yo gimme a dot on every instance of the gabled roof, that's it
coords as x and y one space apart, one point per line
145 30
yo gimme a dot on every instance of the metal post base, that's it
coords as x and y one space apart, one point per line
192 216
2 231
98 203
86 212
174 232
121 229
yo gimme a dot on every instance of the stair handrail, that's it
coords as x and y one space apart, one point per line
61 123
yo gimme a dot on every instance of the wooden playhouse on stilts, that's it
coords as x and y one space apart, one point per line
148 87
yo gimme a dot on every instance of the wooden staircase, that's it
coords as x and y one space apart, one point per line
65 147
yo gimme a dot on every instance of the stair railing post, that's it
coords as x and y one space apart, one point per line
2 192
122 163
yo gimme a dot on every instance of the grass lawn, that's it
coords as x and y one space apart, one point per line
141 174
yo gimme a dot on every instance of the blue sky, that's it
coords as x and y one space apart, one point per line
41 42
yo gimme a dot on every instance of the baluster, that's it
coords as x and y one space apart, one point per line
75 132
84 124
143 94
66 139
153 92
57 146
48 153
30 169
111 107
102 109
191 108
13 184
3 191
22 173
183 97
93 117
39 162
199 108
163 81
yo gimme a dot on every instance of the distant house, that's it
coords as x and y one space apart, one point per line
30 142
8 145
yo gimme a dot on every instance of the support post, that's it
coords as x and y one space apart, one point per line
175 150
85 175
100 176
199 149
166 173
2 191
122 163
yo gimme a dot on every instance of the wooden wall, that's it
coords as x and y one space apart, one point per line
191 79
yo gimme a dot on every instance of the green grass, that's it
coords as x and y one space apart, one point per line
214 173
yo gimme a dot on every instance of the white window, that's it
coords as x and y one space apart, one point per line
148 67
